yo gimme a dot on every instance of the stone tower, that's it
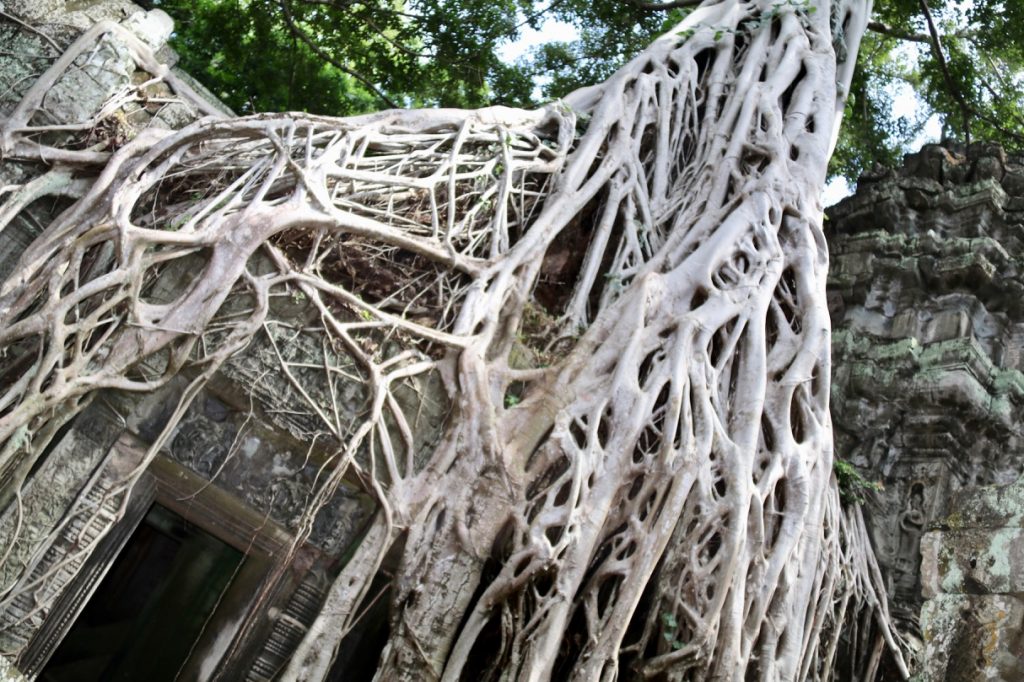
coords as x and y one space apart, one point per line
927 306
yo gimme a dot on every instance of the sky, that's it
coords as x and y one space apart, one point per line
905 103
550 31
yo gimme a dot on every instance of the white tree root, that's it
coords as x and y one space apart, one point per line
659 501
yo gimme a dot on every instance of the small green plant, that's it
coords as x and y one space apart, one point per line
852 485
670 630
615 282
685 35
511 400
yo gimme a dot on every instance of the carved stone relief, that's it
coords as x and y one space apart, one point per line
927 303
61 557
241 454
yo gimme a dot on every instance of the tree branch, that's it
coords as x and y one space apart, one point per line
294 28
965 109
900 34
345 6
996 96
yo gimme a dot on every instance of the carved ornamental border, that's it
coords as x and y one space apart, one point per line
170 485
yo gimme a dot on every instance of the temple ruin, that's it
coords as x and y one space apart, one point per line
927 306
211 544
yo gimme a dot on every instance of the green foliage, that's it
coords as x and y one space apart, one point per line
982 45
670 631
245 55
342 57
871 133
339 57
852 485
610 33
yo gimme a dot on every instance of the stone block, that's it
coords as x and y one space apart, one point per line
1013 183
970 638
946 325
905 324
988 508
987 168
972 562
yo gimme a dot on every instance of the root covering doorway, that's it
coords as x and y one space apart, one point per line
156 602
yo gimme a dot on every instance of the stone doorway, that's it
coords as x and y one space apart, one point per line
148 616
182 587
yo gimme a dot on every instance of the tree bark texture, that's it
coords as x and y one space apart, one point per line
652 495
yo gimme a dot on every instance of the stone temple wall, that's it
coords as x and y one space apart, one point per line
973 580
927 301
241 465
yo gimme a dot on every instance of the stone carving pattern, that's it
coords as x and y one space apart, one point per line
927 300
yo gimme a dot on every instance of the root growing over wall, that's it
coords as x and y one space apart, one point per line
652 495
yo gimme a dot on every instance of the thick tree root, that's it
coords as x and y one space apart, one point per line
656 502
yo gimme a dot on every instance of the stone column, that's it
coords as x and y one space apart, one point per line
973 580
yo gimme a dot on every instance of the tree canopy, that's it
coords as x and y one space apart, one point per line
964 61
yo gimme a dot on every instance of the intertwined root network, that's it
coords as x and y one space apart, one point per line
651 495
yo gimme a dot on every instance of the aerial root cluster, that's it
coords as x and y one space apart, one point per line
652 496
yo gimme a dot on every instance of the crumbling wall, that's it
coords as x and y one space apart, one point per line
973 580
927 304
249 434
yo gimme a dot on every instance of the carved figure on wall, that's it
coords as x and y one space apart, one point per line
202 445
908 555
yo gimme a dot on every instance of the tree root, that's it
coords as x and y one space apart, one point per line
659 501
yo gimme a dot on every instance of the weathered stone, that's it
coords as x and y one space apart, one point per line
8 673
926 293
972 638
50 492
73 15
973 621
971 561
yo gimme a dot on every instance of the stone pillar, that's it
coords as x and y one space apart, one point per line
927 303
972 573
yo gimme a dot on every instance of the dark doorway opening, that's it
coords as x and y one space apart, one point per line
152 607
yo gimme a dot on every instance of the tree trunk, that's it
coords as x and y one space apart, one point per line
652 496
